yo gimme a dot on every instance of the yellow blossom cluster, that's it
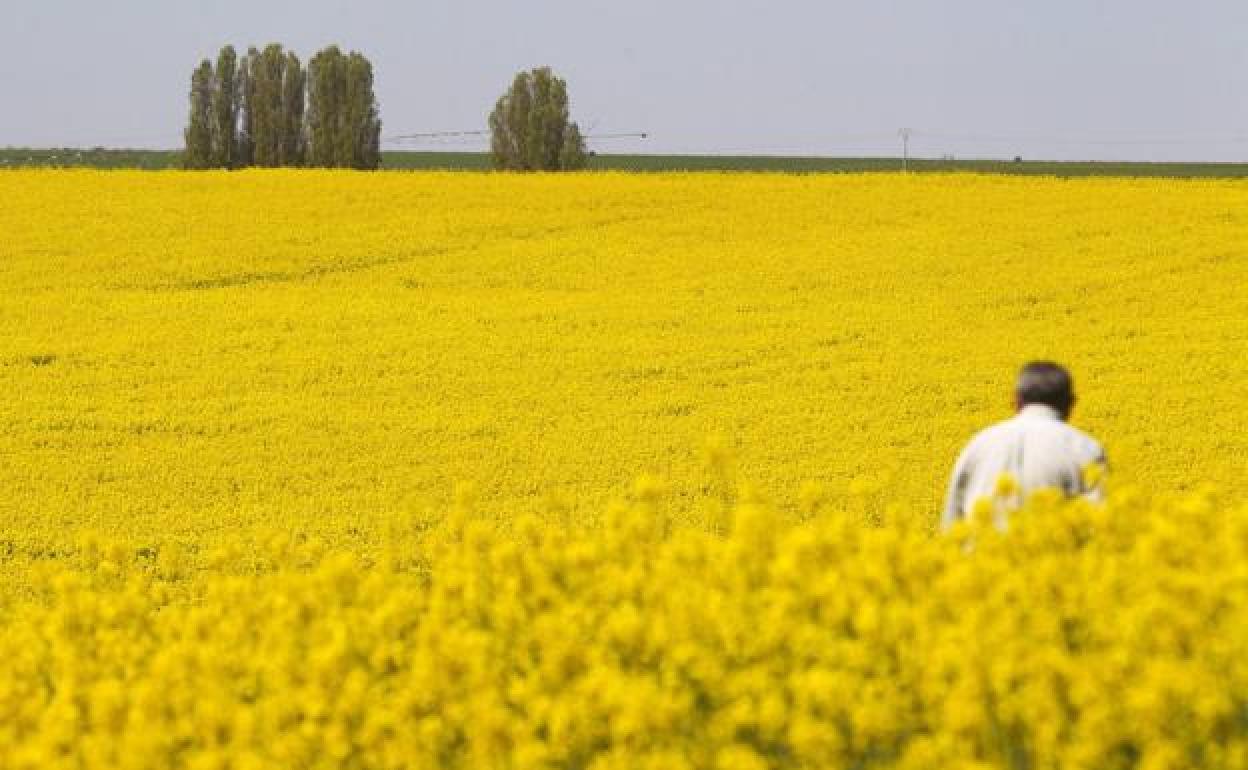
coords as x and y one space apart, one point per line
197 352
1084 637
309 469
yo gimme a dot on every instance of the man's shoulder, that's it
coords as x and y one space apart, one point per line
1084 442
991 435
1007 429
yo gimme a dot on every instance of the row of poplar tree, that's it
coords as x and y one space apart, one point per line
267 109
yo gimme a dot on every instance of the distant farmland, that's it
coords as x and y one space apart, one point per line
475 161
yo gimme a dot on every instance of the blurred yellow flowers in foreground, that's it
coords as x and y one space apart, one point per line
1083 638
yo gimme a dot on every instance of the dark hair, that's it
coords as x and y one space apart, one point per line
1044 382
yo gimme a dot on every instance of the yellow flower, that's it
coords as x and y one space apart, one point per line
237 404
1006 486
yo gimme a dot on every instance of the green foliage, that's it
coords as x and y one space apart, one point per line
254 111
572 156
324 102
293 99
199 131
225 105
530 128
362 115
268 87
247 100
344 128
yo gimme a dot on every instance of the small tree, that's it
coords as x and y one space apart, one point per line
530 129
199 128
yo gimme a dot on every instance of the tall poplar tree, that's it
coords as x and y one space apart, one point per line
199 128
362 115
294 88
530 127
247 101
267 119
225 97
267 109
344 126
324 106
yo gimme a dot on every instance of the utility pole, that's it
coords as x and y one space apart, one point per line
905 148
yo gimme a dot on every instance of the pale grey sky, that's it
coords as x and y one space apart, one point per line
1067 79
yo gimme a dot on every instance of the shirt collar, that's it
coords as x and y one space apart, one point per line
1041 411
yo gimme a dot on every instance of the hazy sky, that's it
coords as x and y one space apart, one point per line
1107 79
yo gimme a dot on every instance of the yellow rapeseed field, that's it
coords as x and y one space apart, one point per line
325 469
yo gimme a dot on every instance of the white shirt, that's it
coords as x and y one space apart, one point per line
1035 448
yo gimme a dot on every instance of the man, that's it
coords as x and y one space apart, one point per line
1035 449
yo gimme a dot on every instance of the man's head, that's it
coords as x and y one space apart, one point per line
1044 382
